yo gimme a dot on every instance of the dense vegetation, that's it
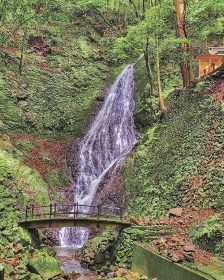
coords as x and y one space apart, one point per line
56 58
178 162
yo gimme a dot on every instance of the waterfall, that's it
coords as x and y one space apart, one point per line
104 148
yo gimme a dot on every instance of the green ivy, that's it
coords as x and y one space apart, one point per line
209 235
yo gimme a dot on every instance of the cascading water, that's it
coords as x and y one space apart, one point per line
104 148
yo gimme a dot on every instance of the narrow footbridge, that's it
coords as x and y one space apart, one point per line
59 215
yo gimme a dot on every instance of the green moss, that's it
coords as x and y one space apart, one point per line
145 105
215 268
24 145
34 276
137 235
57 178
13 171
55 95
44 265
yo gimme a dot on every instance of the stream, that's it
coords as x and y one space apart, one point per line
69 261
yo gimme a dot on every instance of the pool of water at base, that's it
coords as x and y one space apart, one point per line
69 261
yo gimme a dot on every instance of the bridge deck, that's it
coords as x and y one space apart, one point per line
75 215
90 222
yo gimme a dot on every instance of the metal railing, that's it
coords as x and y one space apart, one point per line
53 211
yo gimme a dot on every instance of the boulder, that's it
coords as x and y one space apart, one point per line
176 212
189 248
100 259
44 265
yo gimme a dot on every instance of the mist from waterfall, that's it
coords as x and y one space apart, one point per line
103 149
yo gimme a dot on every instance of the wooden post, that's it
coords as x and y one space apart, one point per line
74 210
98 212
50 211
32 211
26 212
77 209
55 210
121 214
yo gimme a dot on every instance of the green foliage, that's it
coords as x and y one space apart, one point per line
44 265
57 178
16 176
205 18
169 159
55 95
24 145
209 235
157 21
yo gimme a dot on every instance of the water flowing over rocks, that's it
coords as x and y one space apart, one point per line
102 152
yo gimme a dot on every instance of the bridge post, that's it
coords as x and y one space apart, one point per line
32 211
98 212
74 207
77 209
121 214
26 213
55 210
50 211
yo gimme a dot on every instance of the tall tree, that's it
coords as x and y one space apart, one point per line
181 31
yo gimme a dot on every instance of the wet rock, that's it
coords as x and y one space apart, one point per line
100 98
107 255
97 253
110 274
99 258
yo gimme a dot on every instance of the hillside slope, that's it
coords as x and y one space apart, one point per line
179 162
63 72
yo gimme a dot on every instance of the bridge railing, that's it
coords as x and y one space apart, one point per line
75 210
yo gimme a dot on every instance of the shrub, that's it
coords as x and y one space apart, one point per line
209 235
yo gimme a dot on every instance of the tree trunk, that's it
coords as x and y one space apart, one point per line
162 106
148 66
22 51
97 11
179 8
135 8
143 6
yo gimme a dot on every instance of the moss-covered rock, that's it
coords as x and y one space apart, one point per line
137 234
98 252
44 265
